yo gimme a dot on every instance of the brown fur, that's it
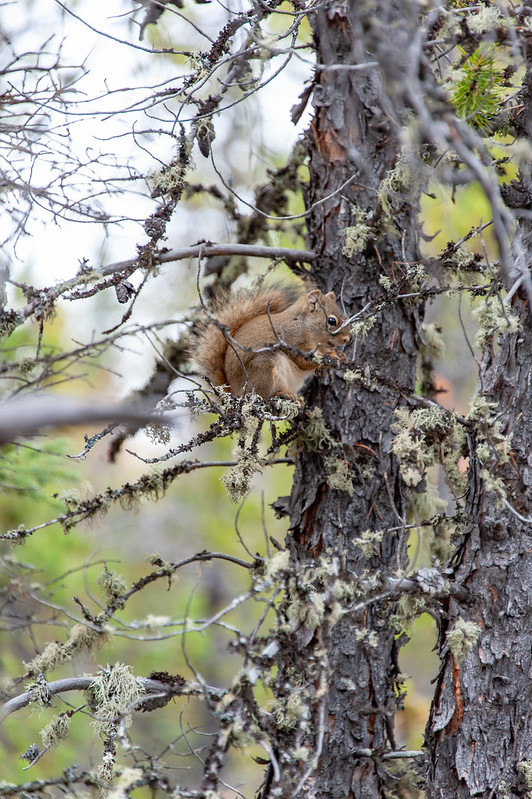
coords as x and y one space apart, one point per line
299 321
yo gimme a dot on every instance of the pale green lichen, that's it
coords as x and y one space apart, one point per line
287 713
395 189
407 608
484 19
39 692
279 563
168 179
313 612
114 586
301 753
239 735
363 327
462 258
462 638
237 480
369 542
339 476
352 376
314 434
495 484
111 693
158 433
525 768
106 771
493 321
286 408
493 447
155 623
426 436
126 780
356 235
343 591
56 730
481 410
367 637
81 637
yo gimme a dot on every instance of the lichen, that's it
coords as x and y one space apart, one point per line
56 730
278 563
111 694
525 767
426 436
237 480
462 638
339 476
356 235
127 779
81 637
301 753
367 637
493 446
484 19
314 434
396 188
493 320
287 713
114 586
369 542
352 376
362 327
407 608
154 623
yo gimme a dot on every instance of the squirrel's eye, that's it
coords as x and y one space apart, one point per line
332 321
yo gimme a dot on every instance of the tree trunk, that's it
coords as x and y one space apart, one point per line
479 733
348 665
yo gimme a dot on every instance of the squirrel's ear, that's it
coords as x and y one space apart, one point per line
331 296
314 299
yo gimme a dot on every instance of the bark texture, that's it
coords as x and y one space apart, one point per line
479 733
353 148
480 730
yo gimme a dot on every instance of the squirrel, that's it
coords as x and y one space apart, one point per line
269 318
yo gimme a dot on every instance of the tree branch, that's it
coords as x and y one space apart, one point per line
28 416
172 687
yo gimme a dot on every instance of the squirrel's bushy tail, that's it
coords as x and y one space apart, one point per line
232 311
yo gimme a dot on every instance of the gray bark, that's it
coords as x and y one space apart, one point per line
352 690
479 734
480 728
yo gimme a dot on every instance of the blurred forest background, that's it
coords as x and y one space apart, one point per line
102 98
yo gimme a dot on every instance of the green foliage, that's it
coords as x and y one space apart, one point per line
477 95
30 476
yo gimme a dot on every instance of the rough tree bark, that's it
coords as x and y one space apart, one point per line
353 146
479 734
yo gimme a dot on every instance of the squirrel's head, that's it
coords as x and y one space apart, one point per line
329 315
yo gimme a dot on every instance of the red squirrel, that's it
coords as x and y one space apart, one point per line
266 318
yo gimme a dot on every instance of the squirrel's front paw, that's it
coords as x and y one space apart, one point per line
338 356
287 395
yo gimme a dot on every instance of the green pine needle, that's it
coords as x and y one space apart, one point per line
477 95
